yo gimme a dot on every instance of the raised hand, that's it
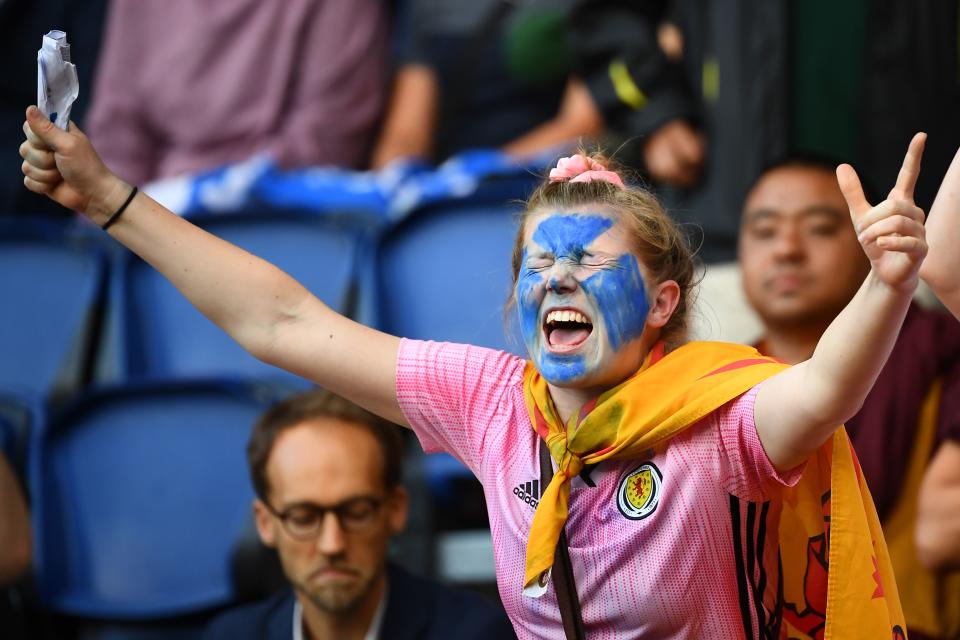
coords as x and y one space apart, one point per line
892 233
64 166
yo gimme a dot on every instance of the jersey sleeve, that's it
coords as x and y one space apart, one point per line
745 469
451 393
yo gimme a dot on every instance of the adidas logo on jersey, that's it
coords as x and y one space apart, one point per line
529 492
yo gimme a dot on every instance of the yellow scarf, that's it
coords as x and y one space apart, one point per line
830 502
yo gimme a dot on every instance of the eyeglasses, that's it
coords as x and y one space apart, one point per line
305 521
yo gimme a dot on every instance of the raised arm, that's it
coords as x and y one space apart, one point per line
270 314
941 269
798 409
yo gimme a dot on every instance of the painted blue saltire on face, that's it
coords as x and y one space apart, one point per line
568 236
617 292
621 296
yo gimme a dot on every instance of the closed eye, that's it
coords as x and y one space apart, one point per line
539 263
599 261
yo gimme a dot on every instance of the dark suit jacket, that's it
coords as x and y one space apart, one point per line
417 609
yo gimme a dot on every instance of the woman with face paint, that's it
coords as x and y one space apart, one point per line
700 489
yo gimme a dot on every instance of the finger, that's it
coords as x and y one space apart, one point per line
40 175
36 157
887 209
903 244
41 126
897 225
37 187
33 138
852 191
907 178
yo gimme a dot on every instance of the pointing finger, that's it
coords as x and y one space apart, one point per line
907 178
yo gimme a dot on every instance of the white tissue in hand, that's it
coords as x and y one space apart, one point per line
57 84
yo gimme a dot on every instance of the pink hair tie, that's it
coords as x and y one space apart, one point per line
579 168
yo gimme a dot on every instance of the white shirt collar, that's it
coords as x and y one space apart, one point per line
373 631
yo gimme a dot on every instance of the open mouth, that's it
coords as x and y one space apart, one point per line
566 329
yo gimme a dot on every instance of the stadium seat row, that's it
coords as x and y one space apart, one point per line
127 412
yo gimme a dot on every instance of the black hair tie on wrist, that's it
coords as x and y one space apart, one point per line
119 212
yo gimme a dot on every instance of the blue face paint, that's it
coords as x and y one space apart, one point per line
617 292
569 236
621 296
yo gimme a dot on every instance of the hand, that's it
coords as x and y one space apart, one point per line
892 233
64 165
674 154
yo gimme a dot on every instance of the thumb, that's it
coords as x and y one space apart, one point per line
852 191
45 130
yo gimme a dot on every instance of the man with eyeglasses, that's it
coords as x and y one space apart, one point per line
327 477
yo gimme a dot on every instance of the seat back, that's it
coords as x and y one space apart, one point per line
20 417
165 337
51 281
139 493
444 274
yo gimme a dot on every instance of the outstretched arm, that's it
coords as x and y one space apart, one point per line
799 408
941 269
270 314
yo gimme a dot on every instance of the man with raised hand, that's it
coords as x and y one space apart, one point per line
801 264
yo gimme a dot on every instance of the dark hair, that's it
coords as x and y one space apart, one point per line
320 403
661 245
812 160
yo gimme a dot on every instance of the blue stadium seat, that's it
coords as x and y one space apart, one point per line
444 274
159 335
52 278
138 494
20 417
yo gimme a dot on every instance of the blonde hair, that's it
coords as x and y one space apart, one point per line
661 246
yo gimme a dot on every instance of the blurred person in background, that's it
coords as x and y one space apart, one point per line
484 74
801 265
716 91
327 476
184 86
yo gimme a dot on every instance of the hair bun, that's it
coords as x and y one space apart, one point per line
580 168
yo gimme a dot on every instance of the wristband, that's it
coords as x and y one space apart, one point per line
119 212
